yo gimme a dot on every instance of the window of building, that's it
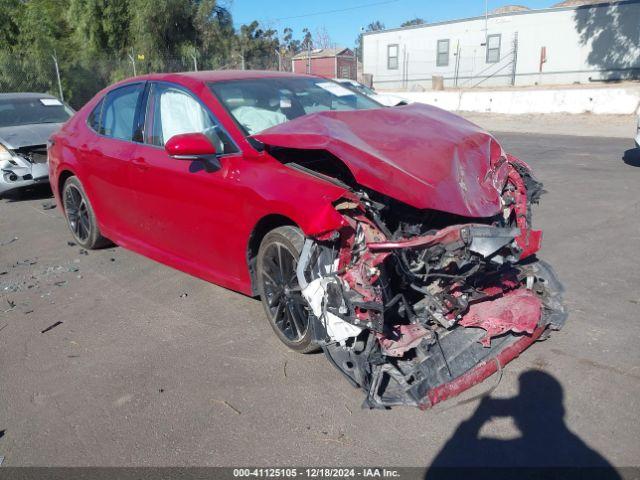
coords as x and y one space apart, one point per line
442 59
392 57
493 48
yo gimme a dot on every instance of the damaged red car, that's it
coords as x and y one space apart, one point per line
397 240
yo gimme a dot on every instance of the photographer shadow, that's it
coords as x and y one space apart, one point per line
545 441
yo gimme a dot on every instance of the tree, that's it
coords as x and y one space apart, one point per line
413 21
257 46
372 27
307 40
323 40
215 34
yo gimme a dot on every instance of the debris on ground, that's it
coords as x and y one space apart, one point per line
51 327
7 242
49 205
228 405
184 295
71 244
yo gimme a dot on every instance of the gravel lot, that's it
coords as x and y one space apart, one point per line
152 367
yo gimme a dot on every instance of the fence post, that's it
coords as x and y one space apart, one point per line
55 63
457 66
514 59
133 61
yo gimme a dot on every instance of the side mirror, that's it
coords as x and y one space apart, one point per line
193 146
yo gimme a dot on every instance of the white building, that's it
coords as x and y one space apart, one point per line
511 46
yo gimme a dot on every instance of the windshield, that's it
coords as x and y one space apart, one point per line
358 87
26 111
258 104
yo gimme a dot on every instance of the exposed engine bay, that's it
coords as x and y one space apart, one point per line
415 306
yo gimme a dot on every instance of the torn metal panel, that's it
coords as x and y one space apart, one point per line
516 311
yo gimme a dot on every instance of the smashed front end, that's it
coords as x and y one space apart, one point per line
432 283
415 306
23 166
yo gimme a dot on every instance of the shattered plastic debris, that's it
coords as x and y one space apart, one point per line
48 205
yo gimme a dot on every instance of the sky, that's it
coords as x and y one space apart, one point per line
343 19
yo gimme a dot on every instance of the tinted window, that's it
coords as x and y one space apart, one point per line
93 120
172 111
119 112
258 104
27 111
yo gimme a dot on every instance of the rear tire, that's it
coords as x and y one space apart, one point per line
286 309
80 217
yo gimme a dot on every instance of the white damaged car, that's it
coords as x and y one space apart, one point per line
27 120
386 99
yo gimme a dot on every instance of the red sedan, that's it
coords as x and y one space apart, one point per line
398 240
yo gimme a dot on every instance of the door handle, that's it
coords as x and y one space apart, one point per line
140 163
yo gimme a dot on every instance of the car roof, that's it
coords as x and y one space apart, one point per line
219 75
18 95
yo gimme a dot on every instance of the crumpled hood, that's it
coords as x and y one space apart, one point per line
27 135
418 154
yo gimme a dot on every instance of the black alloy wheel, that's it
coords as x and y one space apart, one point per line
80 217
286 309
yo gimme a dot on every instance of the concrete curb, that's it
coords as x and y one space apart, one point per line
600 101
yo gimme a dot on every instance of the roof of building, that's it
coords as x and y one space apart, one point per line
578 3
517 10
509 9
323 52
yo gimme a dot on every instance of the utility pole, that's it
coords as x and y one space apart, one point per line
242 57
486 20
55 62
308 58
133 61
279 54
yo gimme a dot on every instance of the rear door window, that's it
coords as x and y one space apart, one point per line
119 112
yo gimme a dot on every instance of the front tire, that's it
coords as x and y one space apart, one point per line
286 309
80 217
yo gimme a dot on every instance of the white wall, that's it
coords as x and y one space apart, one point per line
596 42
610 101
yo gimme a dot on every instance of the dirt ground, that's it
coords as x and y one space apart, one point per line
107 358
